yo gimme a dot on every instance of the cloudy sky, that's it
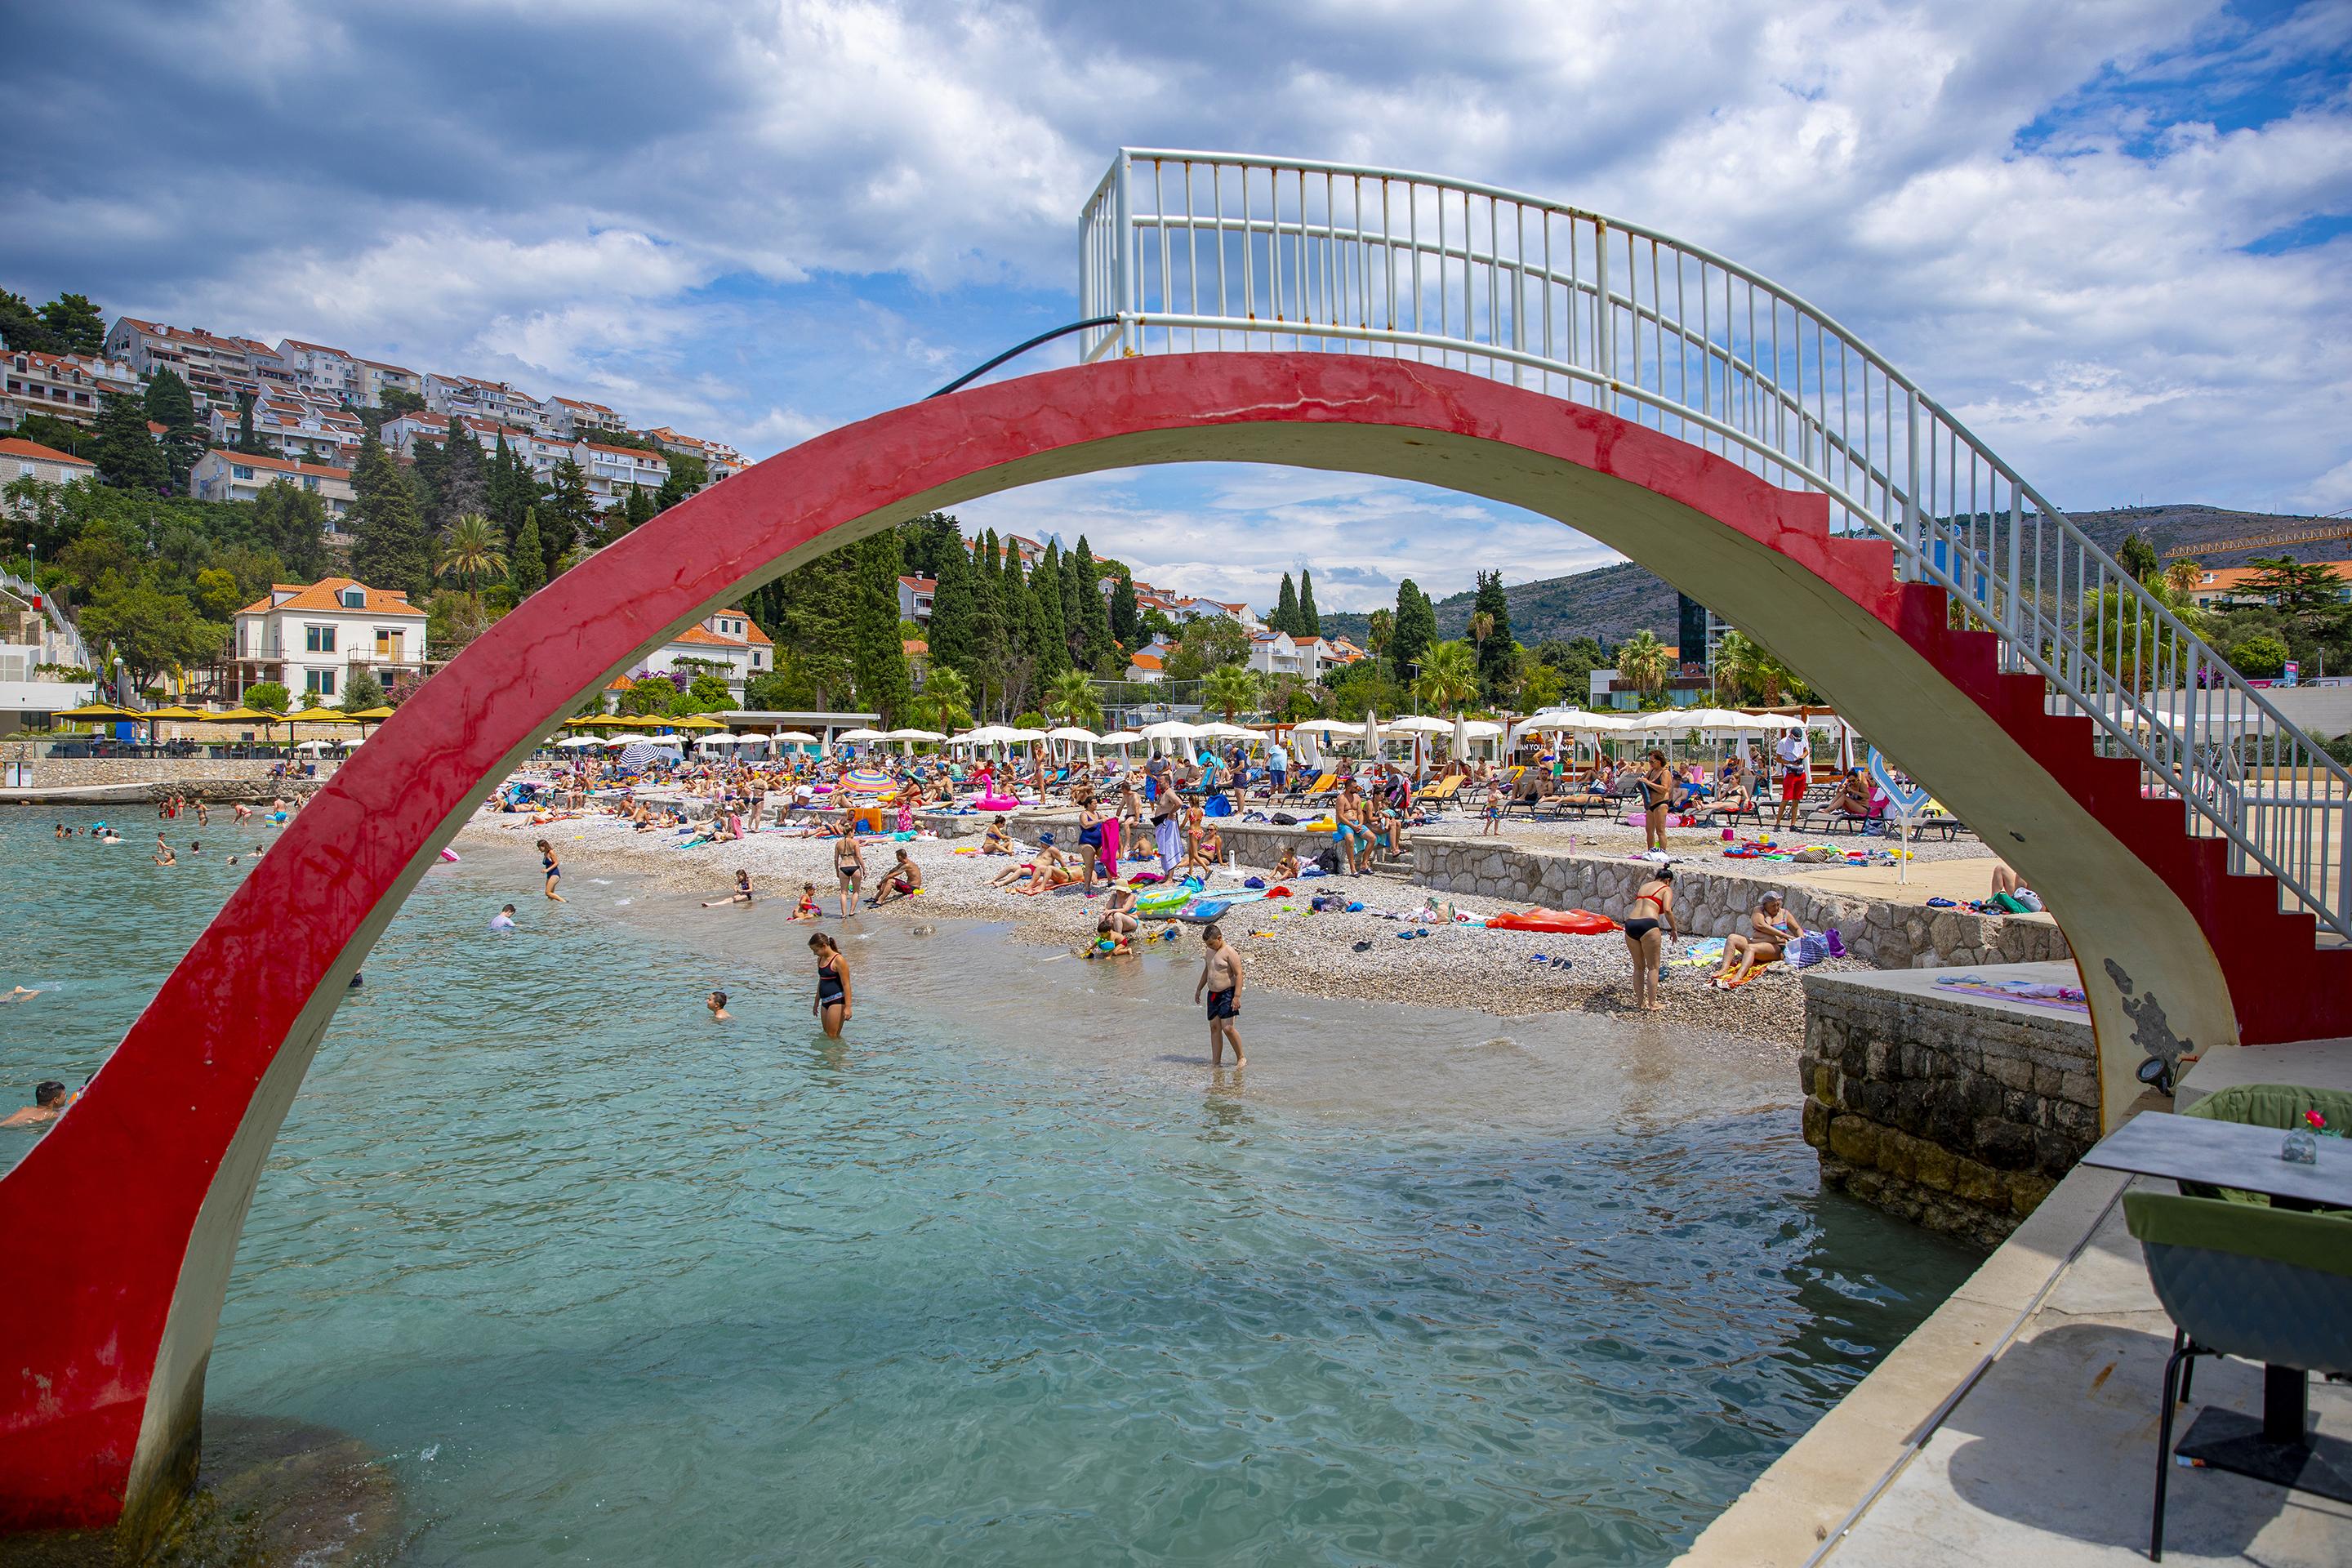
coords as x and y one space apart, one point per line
2113 235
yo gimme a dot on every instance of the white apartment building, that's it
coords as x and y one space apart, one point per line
402 432
721 460
572 417
309 431
915 598
493 400
320 369
376 378
68 386
216 369
1278 653
241 476
614 471
728 638
313 639
22 459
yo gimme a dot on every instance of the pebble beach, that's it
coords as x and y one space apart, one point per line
1288 946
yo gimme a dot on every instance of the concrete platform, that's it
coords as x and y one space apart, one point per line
2016 1427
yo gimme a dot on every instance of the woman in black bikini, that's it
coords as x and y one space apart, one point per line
548 863
849 865
1090 837
1653 906
832 1006
1657 788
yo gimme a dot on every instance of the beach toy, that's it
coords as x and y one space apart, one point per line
450 856
1568 923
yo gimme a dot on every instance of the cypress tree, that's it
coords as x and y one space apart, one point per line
1495 655
126 458
1080 599
878 658
170 405
509 488
1311 625
991 628
391 546
637 509
1416 628
1045 586
1124 616
526 562
955 612
1286 608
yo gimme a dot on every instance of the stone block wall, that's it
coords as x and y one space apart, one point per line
152 778
1951 1112
1717 904
1253 844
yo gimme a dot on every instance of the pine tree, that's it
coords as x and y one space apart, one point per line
509 491
1286 608
462 485
817 623
127 458
567 513
79 326
527 559
637 509
1416 628
391 546
170 405
879 655
1310 623
293 522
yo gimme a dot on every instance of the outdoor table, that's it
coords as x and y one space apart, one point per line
2280 1448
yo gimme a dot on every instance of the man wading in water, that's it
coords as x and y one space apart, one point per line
1220 977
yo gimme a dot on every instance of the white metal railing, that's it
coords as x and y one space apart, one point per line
1196 251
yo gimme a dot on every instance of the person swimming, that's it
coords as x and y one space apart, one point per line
50 1103
504 921
716 1007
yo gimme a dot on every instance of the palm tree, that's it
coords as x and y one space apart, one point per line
1739 664
1642 659
470 551
945 701
1378 628
1449 676
1071 698
1481 626
1231 688
2182 576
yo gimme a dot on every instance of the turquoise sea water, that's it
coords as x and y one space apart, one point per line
1007 1276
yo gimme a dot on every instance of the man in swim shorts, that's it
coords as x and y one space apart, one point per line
1220 977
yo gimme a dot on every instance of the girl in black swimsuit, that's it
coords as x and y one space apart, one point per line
547 863
832 1006
1653 906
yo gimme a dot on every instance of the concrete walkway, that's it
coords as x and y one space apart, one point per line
2016 1427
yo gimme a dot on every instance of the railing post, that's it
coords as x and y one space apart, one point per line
1124 282
1913 525
1604 318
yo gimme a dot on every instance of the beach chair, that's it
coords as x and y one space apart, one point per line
1325 785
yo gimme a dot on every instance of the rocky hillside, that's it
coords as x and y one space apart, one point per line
1612 603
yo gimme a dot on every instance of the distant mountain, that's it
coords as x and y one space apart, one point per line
1612 603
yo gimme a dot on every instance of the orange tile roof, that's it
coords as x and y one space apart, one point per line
15 446
322 595
1145 661
704 637
282 465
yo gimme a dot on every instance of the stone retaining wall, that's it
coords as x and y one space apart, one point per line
1711 903
1954 1112
144 778
1256 844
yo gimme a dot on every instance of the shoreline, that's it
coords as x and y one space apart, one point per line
1287 948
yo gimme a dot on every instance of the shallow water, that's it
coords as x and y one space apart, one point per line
1007 1276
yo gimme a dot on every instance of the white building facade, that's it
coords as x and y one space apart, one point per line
313 639
242 476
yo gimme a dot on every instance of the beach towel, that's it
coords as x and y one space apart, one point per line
1110 851
2035 993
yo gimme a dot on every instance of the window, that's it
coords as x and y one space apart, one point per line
320 682
319 640
240 470
24 470
355 598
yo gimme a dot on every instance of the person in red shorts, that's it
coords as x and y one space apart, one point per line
1796 761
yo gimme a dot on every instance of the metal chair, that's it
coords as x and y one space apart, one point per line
2267 1284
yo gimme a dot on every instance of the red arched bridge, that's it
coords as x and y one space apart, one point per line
1653 397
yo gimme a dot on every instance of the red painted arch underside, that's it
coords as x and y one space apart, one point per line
108 1199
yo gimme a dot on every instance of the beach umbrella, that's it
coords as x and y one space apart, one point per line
315 715
850 735
373 715
916 735
1121 738
177 714
576 741
598 721
867 781
1072 732
693 722
1418 724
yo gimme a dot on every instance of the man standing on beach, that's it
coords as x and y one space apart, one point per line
1220 977
1278 766
1796 760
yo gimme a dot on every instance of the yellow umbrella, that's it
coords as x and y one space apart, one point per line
320 716
375 714
182 714
694 721
599 721
242 716
98 710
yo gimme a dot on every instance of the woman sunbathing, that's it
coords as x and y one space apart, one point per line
1731 791
1052 868
996 840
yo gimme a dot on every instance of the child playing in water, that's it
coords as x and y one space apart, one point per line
807 909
